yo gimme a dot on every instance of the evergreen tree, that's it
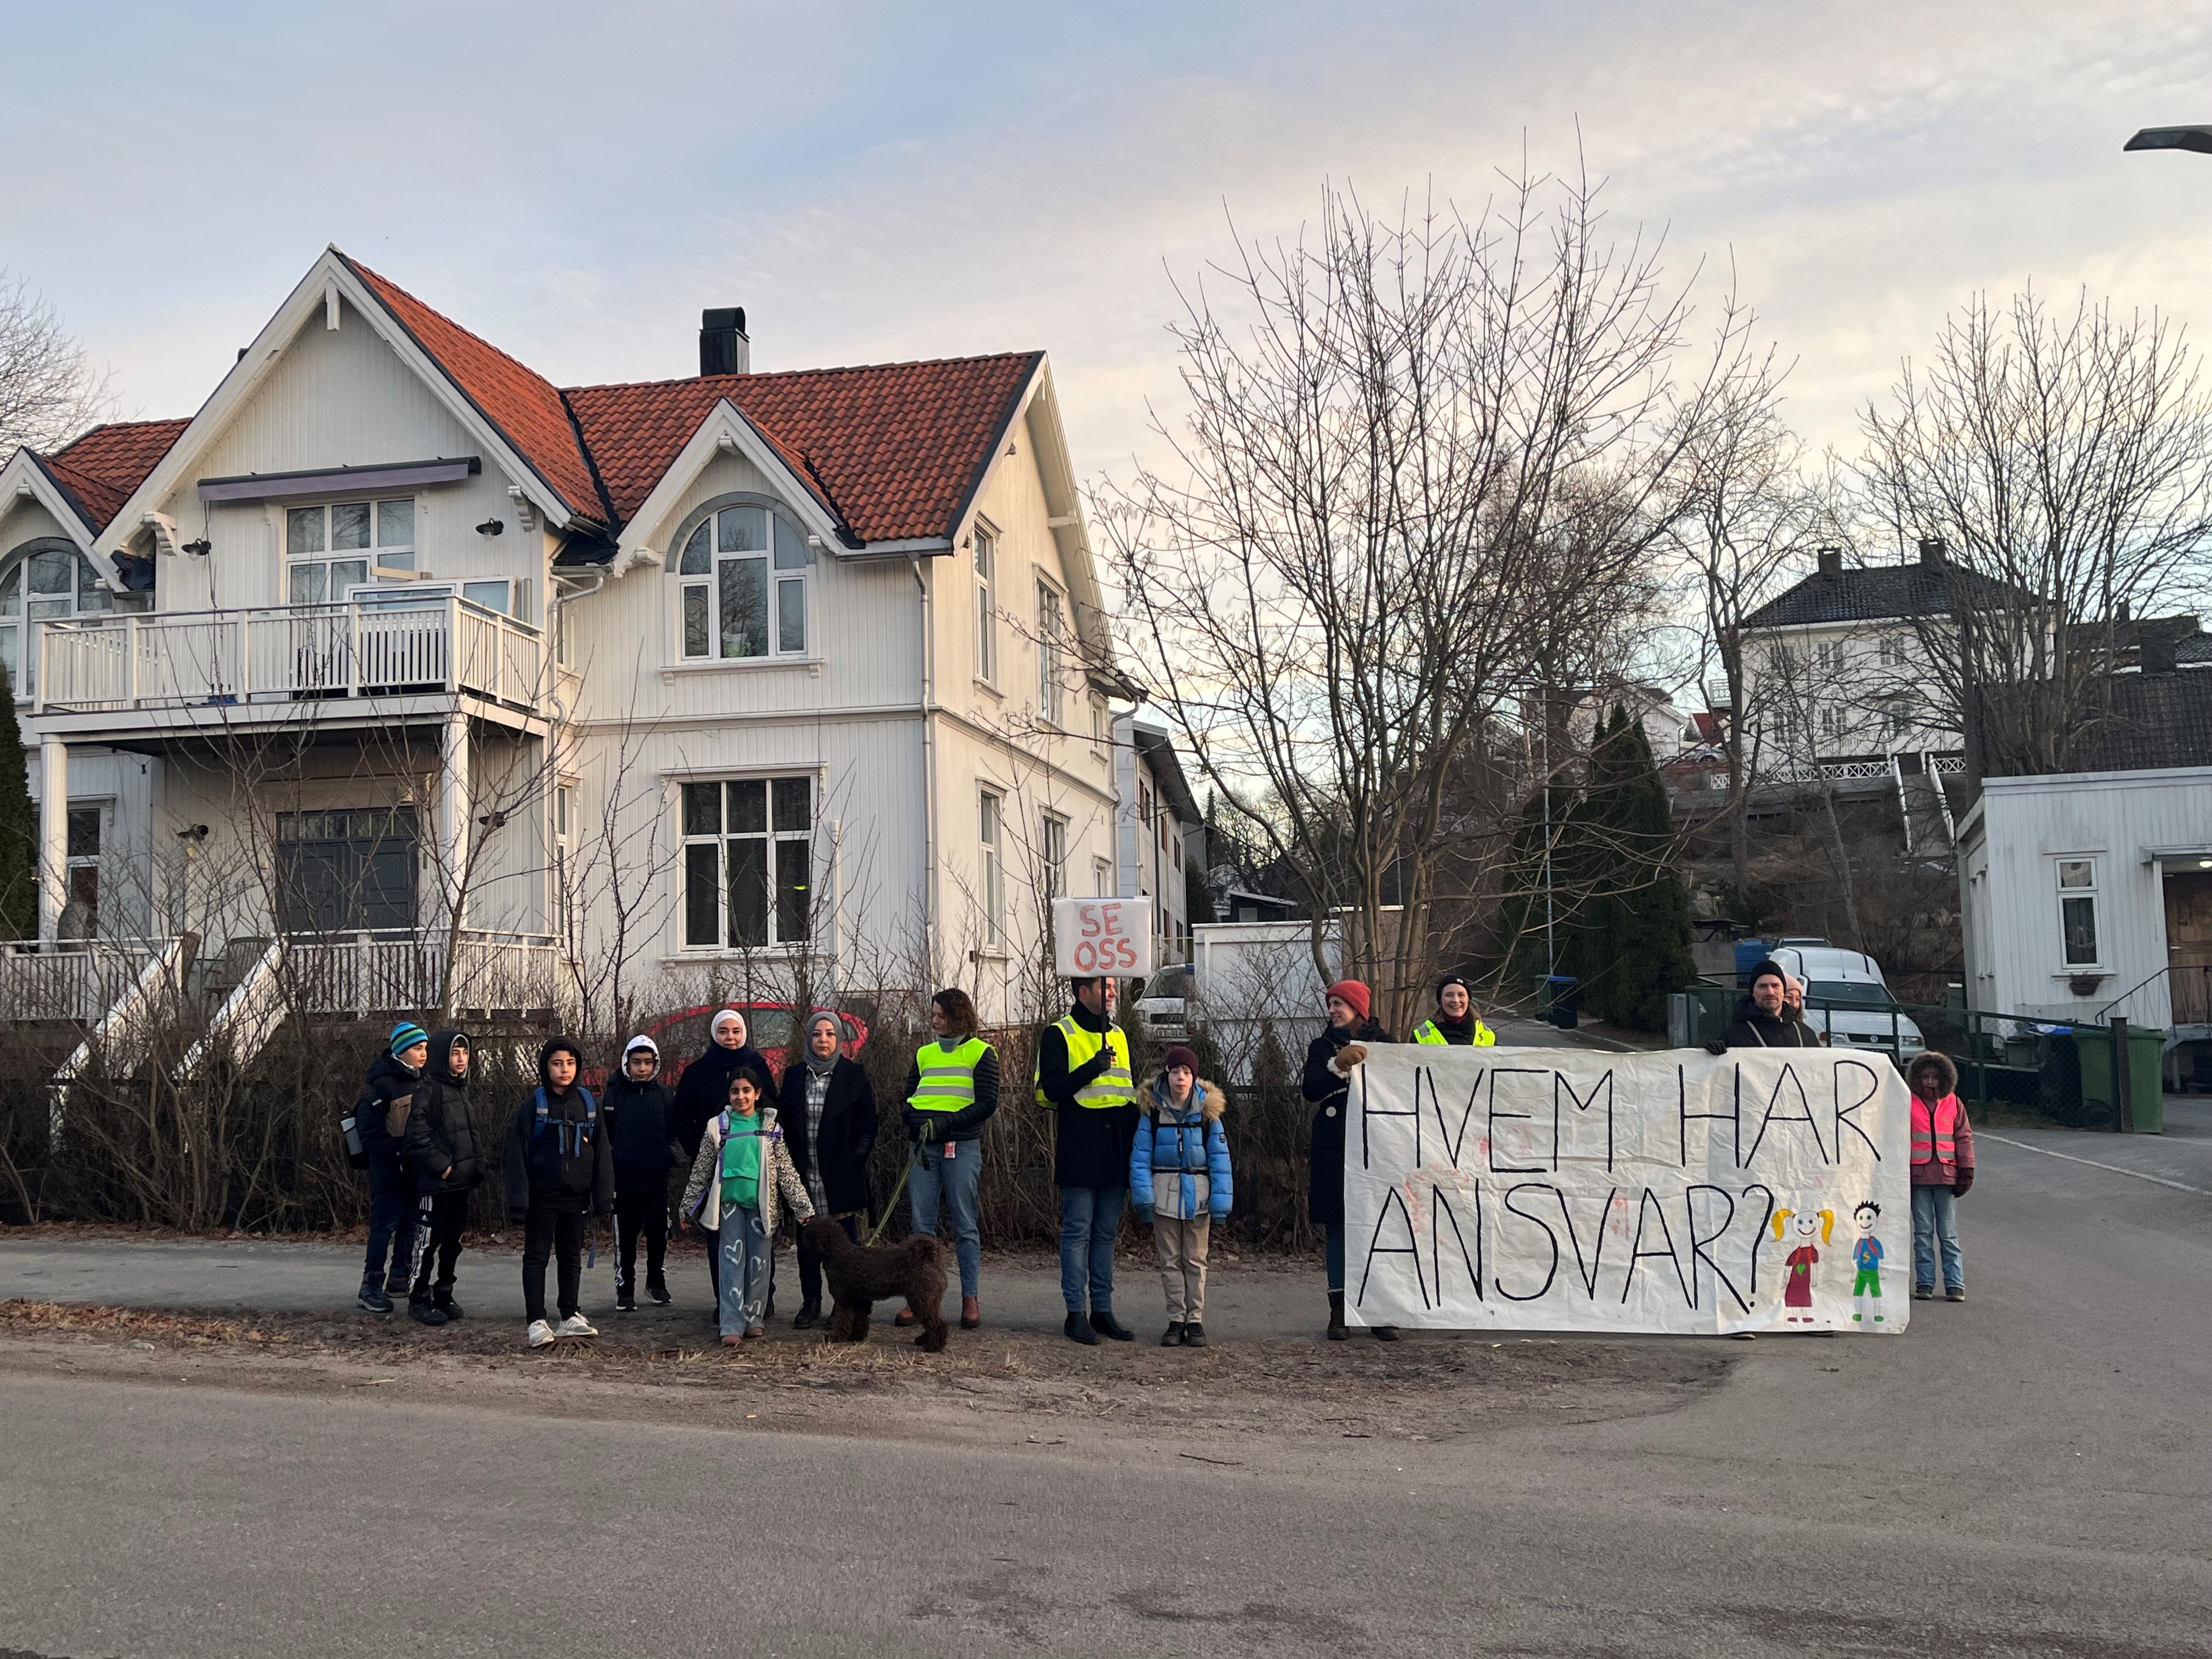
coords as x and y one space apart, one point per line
19 827
1632 943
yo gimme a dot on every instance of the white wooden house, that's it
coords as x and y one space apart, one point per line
1158 830
395 654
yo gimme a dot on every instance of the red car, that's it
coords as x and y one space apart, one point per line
684 1036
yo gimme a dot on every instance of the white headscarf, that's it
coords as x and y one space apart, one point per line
714 1027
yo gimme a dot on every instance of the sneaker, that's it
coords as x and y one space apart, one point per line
1077 1329
1172 1337
576 1325
540 1334
372 1298
426 1313
657 1290
1923 1292
1110 1327
1194 1335
1956 1293
625 1303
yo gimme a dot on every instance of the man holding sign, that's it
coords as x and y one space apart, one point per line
1083 1075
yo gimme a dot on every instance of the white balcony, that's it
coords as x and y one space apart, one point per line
261 664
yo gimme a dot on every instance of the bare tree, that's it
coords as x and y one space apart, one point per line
2063 459
49 391
1391 429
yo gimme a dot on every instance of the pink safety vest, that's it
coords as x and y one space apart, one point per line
1936 1142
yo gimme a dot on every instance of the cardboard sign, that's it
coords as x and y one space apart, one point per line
1111 936
1558 1189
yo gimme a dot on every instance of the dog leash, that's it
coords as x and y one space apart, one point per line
891 1203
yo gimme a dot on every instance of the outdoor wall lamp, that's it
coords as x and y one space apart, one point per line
200 549
492 527
197 832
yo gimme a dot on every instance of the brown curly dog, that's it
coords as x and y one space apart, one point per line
860 1278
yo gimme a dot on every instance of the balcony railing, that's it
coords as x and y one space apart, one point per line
368 647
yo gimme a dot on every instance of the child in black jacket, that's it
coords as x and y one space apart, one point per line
439 1145
559 1168
637 1108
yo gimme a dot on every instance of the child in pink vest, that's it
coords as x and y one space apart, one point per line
1943 1171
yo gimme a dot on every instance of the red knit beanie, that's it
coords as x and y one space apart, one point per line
1351 991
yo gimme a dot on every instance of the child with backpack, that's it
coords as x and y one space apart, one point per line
380 1120
1179 1181
742 1172
637 1107
560 1170
440 1147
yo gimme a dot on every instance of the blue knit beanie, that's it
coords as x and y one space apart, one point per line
405 1037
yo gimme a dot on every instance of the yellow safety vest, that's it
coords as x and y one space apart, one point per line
948 1075
1484 1037
1112 1087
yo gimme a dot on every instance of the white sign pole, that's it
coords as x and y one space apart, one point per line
1109 936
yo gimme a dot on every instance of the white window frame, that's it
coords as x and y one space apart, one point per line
1102 877
379 560
986 616
102 816
564 831
786 569
1893 651
2089 893
1052 855
1051 649
22 608
991 830
1830 655
698 831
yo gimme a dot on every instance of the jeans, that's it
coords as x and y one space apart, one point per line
947 1175
1089 1222
1332 1252
744 1243
646 1209
439 1220
1936 1218
810 1262
390 1223
547 1232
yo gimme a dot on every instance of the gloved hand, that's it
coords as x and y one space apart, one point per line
1959 1188
1144 1214
1091 1069
1352 1054
929 1130
1715 1047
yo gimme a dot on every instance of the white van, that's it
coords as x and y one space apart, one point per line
1848 1001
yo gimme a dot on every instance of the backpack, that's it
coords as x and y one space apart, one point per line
349 1120
582 1137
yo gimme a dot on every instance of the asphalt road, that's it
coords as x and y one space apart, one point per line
2024 1474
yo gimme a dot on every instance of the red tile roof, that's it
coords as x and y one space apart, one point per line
521 402
896 448
101 469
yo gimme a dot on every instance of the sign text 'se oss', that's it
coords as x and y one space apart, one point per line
1110 936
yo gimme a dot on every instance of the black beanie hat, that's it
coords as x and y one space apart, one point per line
1768 965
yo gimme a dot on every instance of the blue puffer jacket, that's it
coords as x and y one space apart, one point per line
1179 1165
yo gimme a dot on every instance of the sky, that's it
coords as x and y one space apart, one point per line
876 182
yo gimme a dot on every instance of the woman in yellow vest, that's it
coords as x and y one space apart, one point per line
952 1087
1082 1076
1457 1024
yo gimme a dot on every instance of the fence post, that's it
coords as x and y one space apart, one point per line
2123 1099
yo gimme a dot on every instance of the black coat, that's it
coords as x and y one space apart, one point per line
570 1169
849 1132
1753 1030
638 1116
1331 1096
440 1143
703 1090
1091 1147
388 1081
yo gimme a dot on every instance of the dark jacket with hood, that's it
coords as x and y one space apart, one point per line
639 1119
390 1084
848 1132
1785 1029
1091 1147
703 1090
565 1160
1330 1092
440 1145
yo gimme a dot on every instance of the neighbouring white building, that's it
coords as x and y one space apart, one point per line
1158 830
397 657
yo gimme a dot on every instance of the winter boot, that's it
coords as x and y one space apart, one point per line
442 1300
399 1282
1113 1330
1386 1332
423 1311
1194 1335
1336 1330
372 1298
1077 1329
1172 1337
808 1317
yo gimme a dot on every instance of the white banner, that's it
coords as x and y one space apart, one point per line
1561 1190
1093 936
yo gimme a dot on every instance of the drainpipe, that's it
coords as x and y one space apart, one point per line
928 773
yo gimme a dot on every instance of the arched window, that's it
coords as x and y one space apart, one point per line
47 580
742 579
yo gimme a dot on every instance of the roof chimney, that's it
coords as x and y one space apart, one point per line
1831 561
1931 552
724 348
2122 615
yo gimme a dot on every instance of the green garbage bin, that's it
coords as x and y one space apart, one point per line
2146 1078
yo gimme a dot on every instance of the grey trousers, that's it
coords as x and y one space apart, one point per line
1182 1267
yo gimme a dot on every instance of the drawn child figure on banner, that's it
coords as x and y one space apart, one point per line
1866 1256
1798 1264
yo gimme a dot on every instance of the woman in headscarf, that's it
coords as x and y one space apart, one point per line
703 1092
828 1120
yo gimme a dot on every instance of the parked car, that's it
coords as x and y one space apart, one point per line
682 1036
1847 1000
1163 1013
